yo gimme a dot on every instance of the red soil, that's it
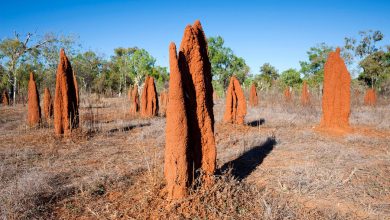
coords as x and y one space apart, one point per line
370 97
65 102
235 103
253 98
34 110
337 92
47 104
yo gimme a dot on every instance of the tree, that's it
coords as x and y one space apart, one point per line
88 66
291 77
50 54
313 70
161 75
12 50
224 63
142 64
376 68
268 74
371 58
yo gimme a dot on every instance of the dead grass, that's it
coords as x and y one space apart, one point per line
277 168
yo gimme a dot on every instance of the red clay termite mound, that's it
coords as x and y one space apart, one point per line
76 86
65 101
305 97
47 104
130 94
163 103
190 144
34 110
134 108
287 94
235 109
253 98
149 101
177 159
370 97
5 98
336 93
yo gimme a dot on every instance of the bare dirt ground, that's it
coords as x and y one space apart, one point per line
275 167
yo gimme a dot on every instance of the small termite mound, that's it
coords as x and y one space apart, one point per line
47 105
34 110
65 100
149 101
336 94
163 102
370 97
134 108
190 144
287 94
235 109
130 94
76 86
305 96
5 99
253 98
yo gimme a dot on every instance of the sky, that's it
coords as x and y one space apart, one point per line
278 32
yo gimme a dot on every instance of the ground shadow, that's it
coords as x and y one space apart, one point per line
128 128
256 123
245 164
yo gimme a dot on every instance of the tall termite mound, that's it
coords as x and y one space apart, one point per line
65 99
190 145
287 94
253 98
370 97
149 101
235 109
34 110
5 98
336 93
47 104
305 97
163 102
134 108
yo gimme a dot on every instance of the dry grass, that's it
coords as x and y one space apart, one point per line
277 168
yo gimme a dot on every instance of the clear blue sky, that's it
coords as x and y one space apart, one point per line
278 32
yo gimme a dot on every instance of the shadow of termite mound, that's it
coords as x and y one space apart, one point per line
244 165
128 128
256 123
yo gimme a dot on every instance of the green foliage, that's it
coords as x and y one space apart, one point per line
376 69
313 69
268 74
88 66
373 59
224 63
291 77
